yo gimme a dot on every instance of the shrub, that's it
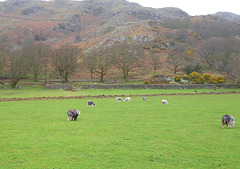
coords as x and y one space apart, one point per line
213 79
108 29
147 82
194 75
199 80
177 78
37 38
185 77
221 79
233 82
206 76
189 69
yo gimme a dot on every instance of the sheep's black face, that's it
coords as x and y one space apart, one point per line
75 117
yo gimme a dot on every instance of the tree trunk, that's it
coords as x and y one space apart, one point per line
35 77
101 77
175 70
125 75
66 78
14 83
91 71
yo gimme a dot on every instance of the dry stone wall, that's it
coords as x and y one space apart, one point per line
142 86
190 86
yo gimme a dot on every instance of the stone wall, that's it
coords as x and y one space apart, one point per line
59 86
142 86
152 86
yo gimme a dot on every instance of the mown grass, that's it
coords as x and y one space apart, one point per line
185 134
39 91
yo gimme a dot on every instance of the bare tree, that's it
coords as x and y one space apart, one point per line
66 61
156 62
18 66
176 58
90 62
3 57
210 51
233 67
100 61
229 49
36 54
126 57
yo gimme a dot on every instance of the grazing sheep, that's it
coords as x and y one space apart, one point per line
119 99
144 99
228 120
90 103
127 99
73 113
164 102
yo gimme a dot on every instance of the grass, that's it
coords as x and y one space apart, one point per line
185 134
39 91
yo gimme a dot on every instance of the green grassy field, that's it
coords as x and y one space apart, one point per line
185 134
39 91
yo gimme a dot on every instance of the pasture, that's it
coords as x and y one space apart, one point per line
40 91
185 134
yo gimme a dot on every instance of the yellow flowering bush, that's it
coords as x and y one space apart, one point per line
185 77
221 79
147 82
177 78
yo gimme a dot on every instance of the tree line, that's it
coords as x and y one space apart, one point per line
39 59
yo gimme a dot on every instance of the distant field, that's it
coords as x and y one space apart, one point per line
185 134
39 91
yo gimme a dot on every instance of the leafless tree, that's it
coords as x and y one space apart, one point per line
90 62
229 49
18 66
36 53
176 58
3 57
100 61
66 61
233 67
126 57
156 62
210 51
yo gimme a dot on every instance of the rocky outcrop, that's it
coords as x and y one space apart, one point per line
228 16
158 14
113 8
74 24
34 10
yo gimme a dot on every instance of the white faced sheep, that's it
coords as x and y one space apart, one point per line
164 102
127 99
144 99
119 99
73 114
228 120
90 103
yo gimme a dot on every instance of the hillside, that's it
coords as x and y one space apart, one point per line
83 22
